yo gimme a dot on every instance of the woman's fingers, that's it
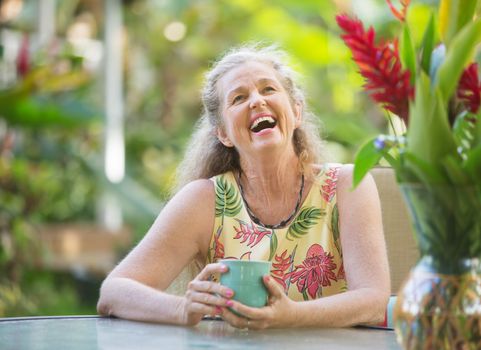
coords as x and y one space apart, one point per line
274 288
234 320
210 287
210 299
200 308
210 269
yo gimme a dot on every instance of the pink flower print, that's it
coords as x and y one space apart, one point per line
328 190
218 248
315 272
251 233
341 274
279 268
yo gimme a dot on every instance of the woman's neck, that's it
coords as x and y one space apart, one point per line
271 177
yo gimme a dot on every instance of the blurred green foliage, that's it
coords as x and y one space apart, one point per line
51 133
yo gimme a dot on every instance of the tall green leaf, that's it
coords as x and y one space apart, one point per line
306 219
407 54
428 116
458 55
428 45
472 163
454 15
227 199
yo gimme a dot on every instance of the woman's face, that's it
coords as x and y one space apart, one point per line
257 114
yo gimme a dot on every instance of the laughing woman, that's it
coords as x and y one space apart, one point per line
253 187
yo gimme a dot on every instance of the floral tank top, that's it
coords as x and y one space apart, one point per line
306 255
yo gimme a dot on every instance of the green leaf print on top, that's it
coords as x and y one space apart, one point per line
335 228
227 199
272 245
307 218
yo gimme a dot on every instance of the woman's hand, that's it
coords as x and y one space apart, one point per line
279 312
205 297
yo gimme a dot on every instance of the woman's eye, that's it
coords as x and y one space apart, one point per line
237 99
269 89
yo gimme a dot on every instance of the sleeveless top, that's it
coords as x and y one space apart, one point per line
306 254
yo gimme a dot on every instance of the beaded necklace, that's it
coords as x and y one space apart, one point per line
283 222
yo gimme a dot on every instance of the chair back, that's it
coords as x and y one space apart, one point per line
400 241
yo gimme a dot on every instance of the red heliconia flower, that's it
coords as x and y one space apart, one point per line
386 81
401 15
469 89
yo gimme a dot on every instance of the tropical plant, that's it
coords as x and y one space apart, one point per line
434 88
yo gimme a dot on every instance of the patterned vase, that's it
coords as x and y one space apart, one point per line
439 304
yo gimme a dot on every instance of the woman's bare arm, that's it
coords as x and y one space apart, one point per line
181 233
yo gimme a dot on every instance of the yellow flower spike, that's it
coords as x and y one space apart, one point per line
453 16
444 10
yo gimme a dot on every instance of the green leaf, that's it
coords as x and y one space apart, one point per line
428 45
407 54
477 132
458 14
65 110
366 158
425 172
306 219
273 245
472 164
227 199
428 117
468 9
459 53
463 130
455 171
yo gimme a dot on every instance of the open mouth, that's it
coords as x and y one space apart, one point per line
263 123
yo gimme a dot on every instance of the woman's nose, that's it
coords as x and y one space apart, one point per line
257 100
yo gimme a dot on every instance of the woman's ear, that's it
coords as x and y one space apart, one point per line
223 138
298 107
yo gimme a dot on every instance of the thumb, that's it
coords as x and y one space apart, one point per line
272 286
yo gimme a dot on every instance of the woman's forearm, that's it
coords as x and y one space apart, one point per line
361 306
127 298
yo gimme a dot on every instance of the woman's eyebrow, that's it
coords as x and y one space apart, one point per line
235 90
267 81
241 88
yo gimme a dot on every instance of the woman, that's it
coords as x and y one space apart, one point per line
254 190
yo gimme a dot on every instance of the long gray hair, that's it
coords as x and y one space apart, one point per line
206 156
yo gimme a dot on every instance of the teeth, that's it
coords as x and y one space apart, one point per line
261 119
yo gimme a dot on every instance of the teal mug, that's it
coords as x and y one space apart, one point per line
244 277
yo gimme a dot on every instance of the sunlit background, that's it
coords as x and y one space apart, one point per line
98 99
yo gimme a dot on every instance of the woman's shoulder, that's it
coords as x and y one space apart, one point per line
196 190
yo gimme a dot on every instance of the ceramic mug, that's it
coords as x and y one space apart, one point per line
244 277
